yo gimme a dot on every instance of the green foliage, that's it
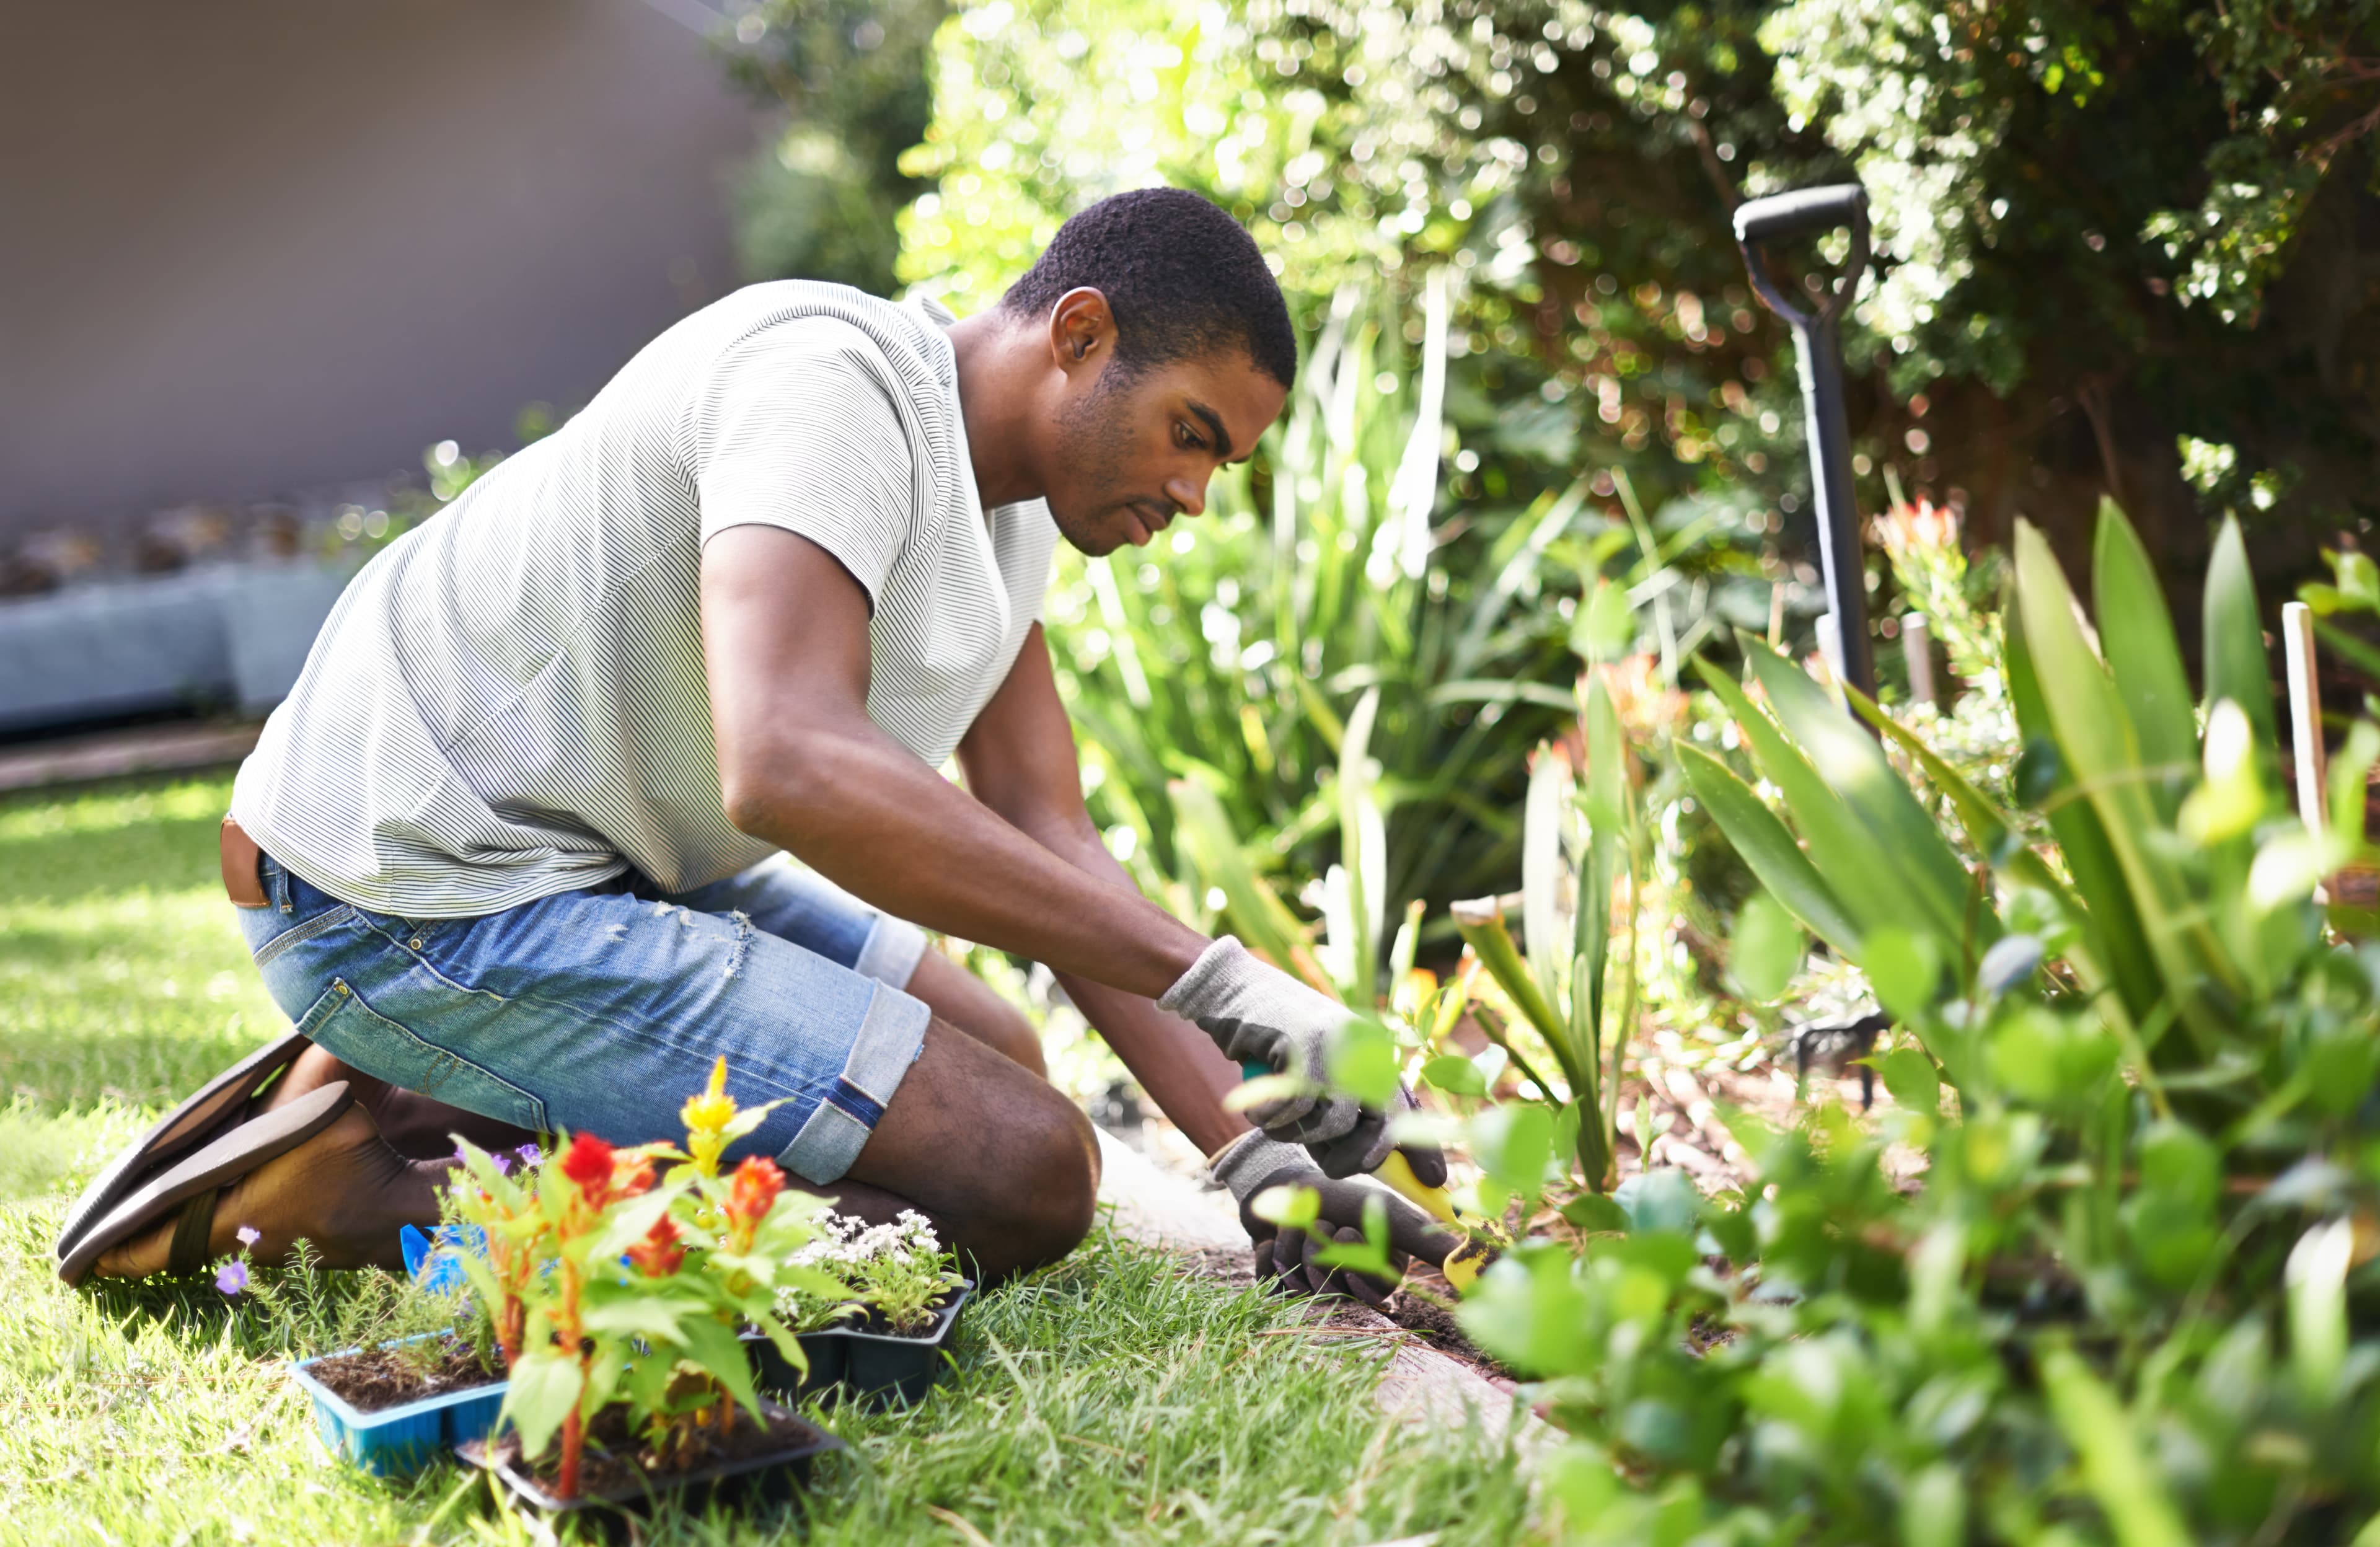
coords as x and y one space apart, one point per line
822 201
2126 1301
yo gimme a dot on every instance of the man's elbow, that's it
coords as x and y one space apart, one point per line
775 792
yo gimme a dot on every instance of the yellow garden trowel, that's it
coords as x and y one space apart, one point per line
1461 1266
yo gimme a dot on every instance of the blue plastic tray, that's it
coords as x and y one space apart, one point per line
399 1440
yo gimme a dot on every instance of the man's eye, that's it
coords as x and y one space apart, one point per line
1185 438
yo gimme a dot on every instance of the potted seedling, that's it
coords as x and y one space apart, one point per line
883 1334
423 1371
622 1288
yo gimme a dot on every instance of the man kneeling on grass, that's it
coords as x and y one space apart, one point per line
515 854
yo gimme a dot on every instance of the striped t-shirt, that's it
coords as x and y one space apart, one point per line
509 701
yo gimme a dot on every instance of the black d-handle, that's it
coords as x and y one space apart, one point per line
1799 212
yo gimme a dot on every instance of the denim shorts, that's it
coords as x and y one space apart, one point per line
601 1010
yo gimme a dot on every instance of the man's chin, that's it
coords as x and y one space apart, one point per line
1116 527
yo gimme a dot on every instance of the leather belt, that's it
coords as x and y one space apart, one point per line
241 882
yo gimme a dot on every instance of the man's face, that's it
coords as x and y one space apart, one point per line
1134 450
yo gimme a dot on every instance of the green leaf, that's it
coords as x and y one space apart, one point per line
1455 1075
2119 934
2237 666
1661 1203
1905 969
2094 733
2136 632
1862 872
639 1314
1606 625
1291 1208
1767 948
1542 936
544 1388
1594 1213
1362 1057
714 1346
1513 1144
2115 1467
1913 1079
1768 848
1871 789
1480 922
2317 1288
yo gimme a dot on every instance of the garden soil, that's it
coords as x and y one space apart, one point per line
374 1380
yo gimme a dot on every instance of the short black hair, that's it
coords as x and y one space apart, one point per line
1182 278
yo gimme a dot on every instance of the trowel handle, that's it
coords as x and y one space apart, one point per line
1394 1171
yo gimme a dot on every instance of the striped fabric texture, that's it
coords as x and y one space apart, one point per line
509 700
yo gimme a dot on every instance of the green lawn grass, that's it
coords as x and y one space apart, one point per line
1111 1398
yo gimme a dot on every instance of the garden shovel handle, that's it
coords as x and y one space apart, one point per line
1819 350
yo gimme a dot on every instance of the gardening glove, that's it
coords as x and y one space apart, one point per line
1257 1014
1286 1258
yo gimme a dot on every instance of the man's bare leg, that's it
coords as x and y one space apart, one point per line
966 1002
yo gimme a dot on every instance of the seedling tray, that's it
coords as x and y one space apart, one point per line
874 1366
770 1477
395 1440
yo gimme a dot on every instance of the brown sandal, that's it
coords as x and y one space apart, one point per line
192 1185
220 1102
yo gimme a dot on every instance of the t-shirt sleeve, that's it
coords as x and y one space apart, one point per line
794 429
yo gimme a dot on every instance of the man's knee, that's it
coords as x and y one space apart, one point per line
1056 1197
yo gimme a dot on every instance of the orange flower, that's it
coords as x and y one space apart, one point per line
751 1193
658 1254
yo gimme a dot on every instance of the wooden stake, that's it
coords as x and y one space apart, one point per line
1917 650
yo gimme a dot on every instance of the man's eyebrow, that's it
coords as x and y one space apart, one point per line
1214 423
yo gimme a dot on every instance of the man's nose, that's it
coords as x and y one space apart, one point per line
1187 495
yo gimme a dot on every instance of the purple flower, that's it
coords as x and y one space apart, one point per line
528 1154
250 1234
233 1278
503 1164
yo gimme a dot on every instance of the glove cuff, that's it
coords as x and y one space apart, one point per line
1220 968
1251 1162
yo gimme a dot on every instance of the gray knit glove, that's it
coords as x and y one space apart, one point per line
1260 1015
1287 1257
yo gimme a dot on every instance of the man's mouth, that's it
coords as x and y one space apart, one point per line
1150 521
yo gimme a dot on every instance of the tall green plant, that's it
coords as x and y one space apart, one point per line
2129 1296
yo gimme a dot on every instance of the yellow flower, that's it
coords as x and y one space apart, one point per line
706 1117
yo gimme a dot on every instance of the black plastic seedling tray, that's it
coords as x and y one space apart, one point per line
771 1478
874 1366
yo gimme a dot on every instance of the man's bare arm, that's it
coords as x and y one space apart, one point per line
1020 761
784 631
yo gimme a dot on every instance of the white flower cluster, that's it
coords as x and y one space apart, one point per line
845 1240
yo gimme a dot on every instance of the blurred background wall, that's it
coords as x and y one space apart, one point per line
258 245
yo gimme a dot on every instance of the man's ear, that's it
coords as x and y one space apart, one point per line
1082 330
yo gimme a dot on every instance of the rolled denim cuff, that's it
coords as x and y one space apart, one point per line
891 1036
893 949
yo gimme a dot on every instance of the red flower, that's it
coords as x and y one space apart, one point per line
588 1163
657 1255
752 1192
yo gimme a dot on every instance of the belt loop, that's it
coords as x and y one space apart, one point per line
281 885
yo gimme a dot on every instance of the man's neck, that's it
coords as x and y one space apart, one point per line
998 371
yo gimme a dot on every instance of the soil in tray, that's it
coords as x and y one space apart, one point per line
373 1379
615 1462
